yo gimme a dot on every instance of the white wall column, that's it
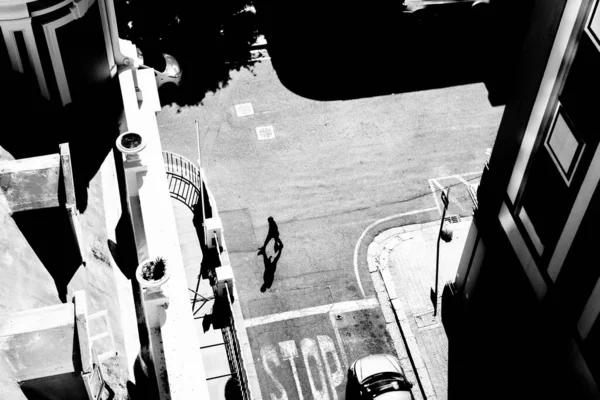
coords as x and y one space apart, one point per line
8 31
56 58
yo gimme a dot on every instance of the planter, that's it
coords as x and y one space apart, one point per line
153 274
130 144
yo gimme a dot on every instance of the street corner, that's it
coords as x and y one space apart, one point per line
461 190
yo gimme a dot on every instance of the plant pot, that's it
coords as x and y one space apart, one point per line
151 275
130 144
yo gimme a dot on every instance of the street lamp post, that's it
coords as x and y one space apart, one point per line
434 292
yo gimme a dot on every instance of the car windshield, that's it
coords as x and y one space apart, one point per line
384 382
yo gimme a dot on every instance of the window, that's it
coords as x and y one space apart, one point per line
564 145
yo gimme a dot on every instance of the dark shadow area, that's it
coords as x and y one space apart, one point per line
207 321
208 39
334 51
143 388
502 346
270 263
221 313
48 231
270 260
450 308
233 390
210 256
124 251
350 393
34 127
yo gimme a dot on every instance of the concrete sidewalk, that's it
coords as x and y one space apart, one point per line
404 259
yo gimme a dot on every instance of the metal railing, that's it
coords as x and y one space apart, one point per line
186 185
184 179
234 352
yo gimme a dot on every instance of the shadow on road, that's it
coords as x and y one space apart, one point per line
333 52
208 39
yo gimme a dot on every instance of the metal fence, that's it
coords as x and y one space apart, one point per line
185 184
183 178
234 352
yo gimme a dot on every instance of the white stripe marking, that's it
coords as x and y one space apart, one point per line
460 178
437 203
339 339
438 184
362 236
439 178
336 308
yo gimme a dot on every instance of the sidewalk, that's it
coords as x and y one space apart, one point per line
405 259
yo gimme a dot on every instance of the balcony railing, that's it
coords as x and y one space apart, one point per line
234 352
186 183
184 179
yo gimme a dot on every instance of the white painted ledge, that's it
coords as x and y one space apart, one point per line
181 364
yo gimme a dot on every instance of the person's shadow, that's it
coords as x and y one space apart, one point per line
270 267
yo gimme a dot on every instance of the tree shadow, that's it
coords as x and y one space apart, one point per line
330 52
208 39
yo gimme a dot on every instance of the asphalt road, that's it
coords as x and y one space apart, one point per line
331 169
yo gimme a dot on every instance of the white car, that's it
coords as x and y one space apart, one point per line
378 376
166 68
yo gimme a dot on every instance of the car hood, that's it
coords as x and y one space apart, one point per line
375 364
395 395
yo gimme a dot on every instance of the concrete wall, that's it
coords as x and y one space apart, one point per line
26 283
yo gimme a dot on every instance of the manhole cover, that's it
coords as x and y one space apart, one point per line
425 320
265 132
243 110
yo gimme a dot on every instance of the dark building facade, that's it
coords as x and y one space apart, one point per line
529 280
66 47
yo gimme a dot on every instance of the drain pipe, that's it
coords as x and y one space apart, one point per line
120 58
124 51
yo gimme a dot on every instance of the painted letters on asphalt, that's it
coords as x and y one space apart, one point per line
322 366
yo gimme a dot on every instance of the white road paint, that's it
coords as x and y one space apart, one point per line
265 132
335 308
433 193
460 178
321 366
269 354
437 182
243 110
289 352
339 339
335 377
362 236
310 350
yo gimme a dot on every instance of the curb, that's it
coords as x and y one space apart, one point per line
397 322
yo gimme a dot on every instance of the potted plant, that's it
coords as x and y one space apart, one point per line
130 144
152 274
